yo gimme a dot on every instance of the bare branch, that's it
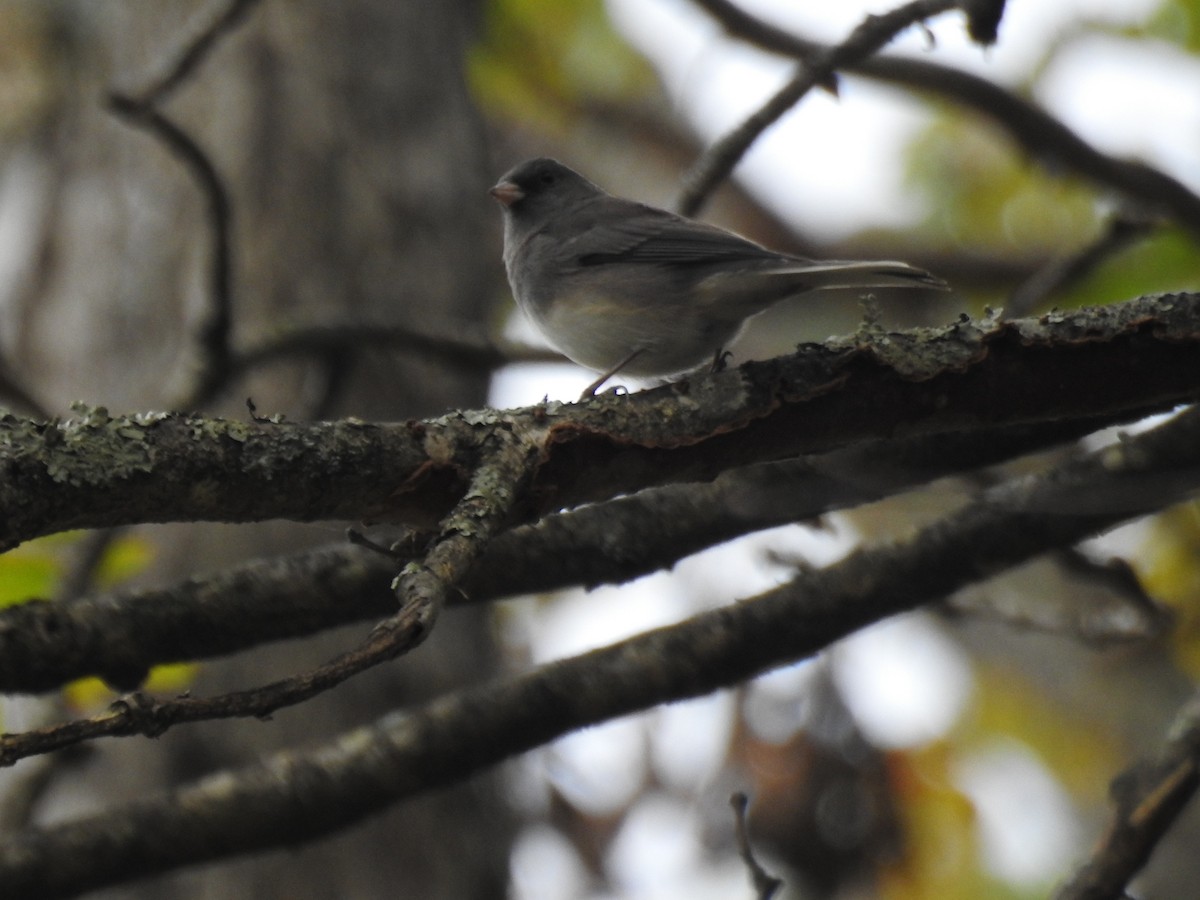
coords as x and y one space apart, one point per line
983 19
81 466
1061 274
869 37
765 884
1149 798
292 797
205 31
102 471
508 460
213 337
120 636
1042 135
139 713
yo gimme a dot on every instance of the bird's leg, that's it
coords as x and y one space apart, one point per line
590 390
720 355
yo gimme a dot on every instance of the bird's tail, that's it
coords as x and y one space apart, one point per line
877 274
737 295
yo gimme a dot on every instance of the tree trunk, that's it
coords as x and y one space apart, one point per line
357 173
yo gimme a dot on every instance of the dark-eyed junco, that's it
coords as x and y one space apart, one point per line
619 286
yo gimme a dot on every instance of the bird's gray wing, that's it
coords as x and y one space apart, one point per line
622 232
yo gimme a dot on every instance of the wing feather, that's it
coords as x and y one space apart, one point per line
643 234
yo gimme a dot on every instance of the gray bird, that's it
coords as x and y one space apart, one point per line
618 286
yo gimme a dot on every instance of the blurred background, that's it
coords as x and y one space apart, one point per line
963 751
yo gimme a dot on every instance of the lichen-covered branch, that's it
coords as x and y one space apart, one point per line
1125 360
99 470
119 636
422 589
297 796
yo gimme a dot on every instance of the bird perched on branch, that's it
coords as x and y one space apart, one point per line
618 286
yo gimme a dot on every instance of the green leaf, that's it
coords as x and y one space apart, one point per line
28 572
540 61
1163 262
983 195
1177 21
32 571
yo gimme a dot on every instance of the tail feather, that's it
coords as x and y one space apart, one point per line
853 274
736 295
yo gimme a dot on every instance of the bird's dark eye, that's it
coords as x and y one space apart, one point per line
546 179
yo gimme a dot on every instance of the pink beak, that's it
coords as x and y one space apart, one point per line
507 192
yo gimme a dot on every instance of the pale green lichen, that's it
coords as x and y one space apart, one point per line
95 447
472 417
208 429
283 448
17 435
238 431
411 570
146 419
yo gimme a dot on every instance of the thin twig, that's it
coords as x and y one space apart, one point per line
299 595
141 108
873 33
1148 797
983 19
1042 135
765 884
1061 274
213 337
139 713
422 588
496 488
208 27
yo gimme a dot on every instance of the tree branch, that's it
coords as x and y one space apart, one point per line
766 885
213 337
1125 360
983 19
119 636
1149 797
871 35
1062 273
293 797
141 109
1042 135
422 588
220 19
